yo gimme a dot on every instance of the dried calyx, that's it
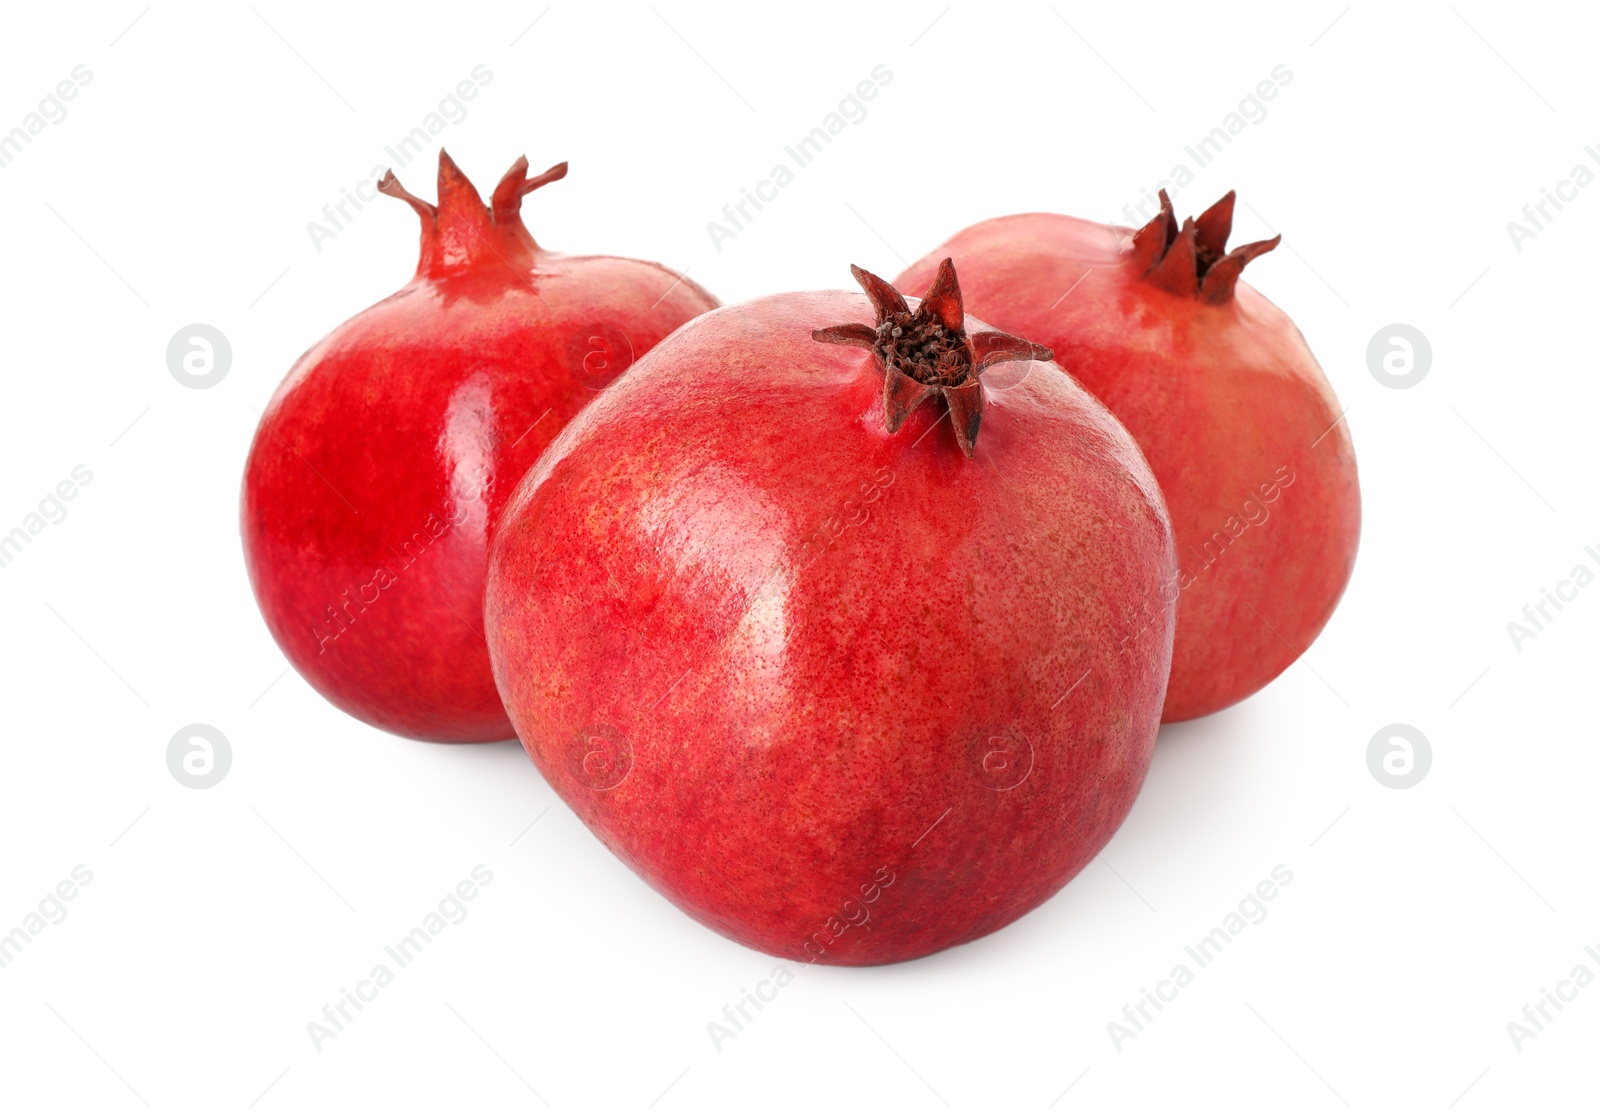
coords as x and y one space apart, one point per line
1193 261
461 230
927 352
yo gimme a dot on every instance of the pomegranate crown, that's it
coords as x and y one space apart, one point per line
1193 261
461 230
927 352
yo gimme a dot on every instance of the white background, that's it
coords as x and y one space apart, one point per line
219 922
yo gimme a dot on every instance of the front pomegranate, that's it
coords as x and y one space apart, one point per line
844 621
386 455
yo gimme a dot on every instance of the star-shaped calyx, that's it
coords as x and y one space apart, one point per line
1194 261
927 352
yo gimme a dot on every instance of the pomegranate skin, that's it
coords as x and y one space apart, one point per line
385 457
842 695
1226 400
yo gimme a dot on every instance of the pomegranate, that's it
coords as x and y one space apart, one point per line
384 459
843 679
1220 391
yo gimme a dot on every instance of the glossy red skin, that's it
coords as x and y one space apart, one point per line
1219 398
394 443
793 634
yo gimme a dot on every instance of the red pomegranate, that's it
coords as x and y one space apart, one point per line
384 459
846 681
1220 391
